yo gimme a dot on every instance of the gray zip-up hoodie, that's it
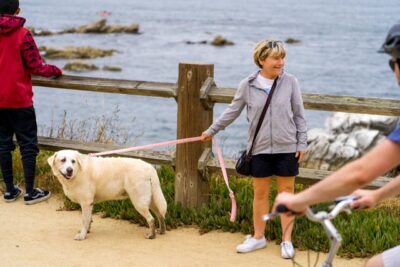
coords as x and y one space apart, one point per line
284 128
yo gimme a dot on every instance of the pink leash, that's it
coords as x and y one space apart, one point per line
135 148
223 169
176 142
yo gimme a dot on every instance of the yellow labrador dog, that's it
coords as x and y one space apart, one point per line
87 180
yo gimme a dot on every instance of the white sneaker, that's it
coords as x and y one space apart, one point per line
251 244
287 250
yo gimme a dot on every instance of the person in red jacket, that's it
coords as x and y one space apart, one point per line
19 59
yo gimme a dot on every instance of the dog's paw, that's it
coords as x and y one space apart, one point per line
150 235
80 237
161 231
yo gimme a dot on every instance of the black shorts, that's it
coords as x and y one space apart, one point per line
266 165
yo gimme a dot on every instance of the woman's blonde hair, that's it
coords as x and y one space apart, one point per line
266 48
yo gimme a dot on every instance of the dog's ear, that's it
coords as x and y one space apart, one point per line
80 159
51 159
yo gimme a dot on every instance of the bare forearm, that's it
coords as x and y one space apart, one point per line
390 189
342 182
354 175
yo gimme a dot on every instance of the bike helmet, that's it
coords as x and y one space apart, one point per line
391 45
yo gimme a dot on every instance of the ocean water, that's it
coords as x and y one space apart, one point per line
337 54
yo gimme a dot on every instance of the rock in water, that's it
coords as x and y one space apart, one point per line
345 137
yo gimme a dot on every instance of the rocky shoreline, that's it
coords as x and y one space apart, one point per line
345 138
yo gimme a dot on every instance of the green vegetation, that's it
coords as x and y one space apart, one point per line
364 233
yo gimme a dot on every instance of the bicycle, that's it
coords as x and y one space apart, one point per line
324 218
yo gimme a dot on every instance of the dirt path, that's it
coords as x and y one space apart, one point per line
39 235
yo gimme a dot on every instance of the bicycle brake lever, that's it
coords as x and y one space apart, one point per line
270 216
279 210
343 198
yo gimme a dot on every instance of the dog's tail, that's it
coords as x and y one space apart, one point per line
157 194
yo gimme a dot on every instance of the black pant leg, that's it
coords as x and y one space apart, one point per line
26 132
6 147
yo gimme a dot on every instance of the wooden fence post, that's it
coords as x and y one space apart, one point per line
191 189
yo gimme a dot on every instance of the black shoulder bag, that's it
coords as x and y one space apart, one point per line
243 164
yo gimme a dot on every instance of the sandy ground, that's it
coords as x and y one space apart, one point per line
40 235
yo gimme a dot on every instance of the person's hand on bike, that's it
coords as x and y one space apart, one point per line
205 137
368 199
291 202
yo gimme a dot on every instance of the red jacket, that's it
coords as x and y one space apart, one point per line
19 58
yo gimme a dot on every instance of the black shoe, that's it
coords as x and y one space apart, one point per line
37 195
12 196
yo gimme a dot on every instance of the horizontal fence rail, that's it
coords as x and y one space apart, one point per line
102 85
306 176
352 104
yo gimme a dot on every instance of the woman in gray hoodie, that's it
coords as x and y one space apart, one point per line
280 142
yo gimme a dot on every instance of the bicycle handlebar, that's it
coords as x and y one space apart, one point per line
324 218
281 208
342 203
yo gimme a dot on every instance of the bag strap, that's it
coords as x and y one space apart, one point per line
260 121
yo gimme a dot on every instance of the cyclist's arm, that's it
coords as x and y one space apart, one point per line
390 189
352 176
369 198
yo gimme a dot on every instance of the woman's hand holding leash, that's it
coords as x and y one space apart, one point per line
205 137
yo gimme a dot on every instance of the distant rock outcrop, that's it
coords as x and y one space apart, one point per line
37 32
70 52
111 68
80 66
198 42
219 40
346 137
291 40
99 26
102 27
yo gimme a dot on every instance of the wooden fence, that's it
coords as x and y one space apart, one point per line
195 94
